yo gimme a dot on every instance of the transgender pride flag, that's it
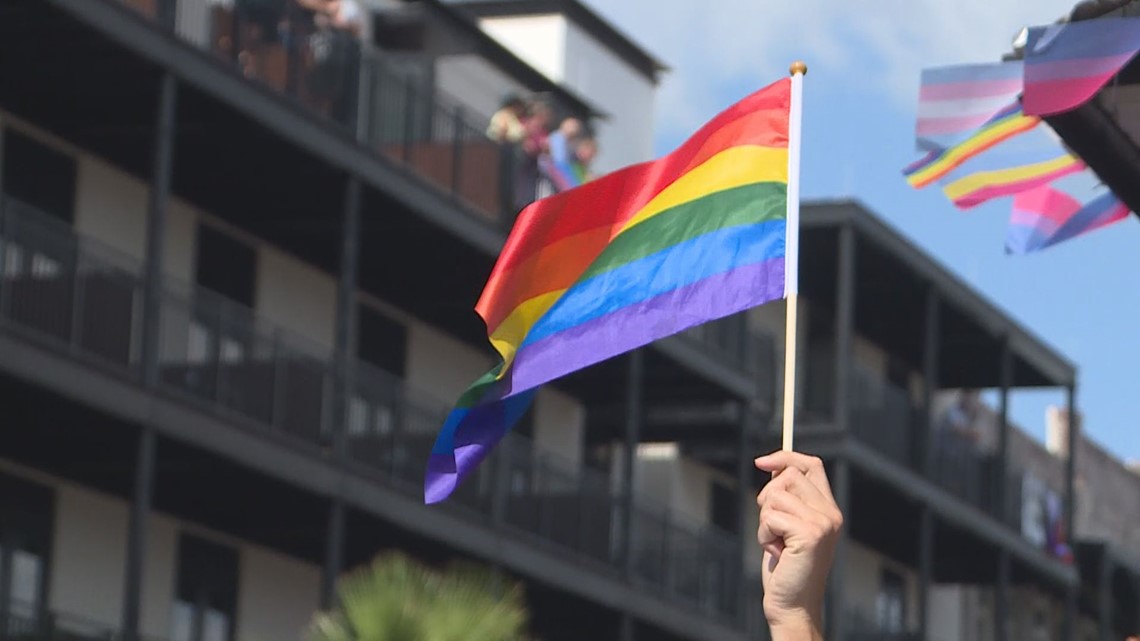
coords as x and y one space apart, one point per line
1067 64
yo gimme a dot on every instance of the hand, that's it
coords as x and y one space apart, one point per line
799 527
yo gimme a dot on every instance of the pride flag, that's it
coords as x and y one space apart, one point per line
954 102
1009 155
1067 64
627 259
1060 211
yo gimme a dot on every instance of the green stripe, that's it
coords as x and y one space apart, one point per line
745 205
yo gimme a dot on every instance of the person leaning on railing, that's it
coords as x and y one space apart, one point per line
799 526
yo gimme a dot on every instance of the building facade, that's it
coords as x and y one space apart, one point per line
235 308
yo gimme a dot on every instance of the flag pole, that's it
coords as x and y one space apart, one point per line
792 250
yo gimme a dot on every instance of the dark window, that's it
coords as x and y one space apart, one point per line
725 512
205 596
39 176
26 511
226 266
890 605
381 341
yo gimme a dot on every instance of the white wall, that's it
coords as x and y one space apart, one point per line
559 423
540 41
296 296
442 365
478 83
277 596
159 574
864 575
110 206
88 555
628 97
684 486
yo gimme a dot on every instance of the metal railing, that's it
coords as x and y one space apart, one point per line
27 622
85 301
729 340
884 416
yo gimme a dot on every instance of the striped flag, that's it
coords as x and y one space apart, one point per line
1067 64
954 102
1060 211
632 257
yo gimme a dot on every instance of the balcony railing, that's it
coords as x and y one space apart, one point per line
26 622
85 301
884 416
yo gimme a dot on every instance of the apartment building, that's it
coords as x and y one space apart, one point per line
236 307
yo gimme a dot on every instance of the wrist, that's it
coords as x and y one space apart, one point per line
796 626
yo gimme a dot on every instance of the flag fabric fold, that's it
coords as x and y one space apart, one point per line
624 260
1062 210
1067 64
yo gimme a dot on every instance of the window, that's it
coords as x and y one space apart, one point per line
226 266
26 511
205 597
38 176
890 604
381 341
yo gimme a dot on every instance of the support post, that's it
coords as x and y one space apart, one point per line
844 326
744 495
1104 596
163 167
1001 598
158 198
836 619
627 632
346 310
925 571
930 366
136 534
1001 483
1073 441
633 420
334 553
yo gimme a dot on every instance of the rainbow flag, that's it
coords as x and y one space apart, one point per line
1060 211
1003 126
1067 64
627 259
954 102
1009 166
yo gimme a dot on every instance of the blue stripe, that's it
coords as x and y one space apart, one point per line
682 264
1085 39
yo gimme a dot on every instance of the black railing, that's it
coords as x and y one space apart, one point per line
84 301
886 417
25 622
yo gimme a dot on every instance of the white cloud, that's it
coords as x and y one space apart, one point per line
867 45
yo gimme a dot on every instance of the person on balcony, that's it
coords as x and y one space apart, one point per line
557 163
534 144
799 527
506 126
584 153
335 49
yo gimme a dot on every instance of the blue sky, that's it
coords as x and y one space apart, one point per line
860 94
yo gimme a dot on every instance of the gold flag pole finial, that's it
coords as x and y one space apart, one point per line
799 67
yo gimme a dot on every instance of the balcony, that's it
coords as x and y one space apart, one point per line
75 297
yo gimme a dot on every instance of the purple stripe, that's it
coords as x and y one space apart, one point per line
1079 68
972 73
642 323
970 89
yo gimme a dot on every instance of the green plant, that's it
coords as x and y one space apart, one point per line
398 599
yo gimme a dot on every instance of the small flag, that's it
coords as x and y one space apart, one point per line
998 134
627 259
1067 64
954 102
1060 211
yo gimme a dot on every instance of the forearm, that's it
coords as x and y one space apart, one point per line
797 631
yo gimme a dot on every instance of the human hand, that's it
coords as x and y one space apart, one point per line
799 527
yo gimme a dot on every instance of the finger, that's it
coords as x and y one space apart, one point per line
774 525
810 466
794 482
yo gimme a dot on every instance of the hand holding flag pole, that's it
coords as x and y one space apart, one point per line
792 250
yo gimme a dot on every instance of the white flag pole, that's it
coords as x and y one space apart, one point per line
792 250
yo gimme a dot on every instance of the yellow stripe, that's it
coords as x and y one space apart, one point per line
733 167
982 179
510 333
959 154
